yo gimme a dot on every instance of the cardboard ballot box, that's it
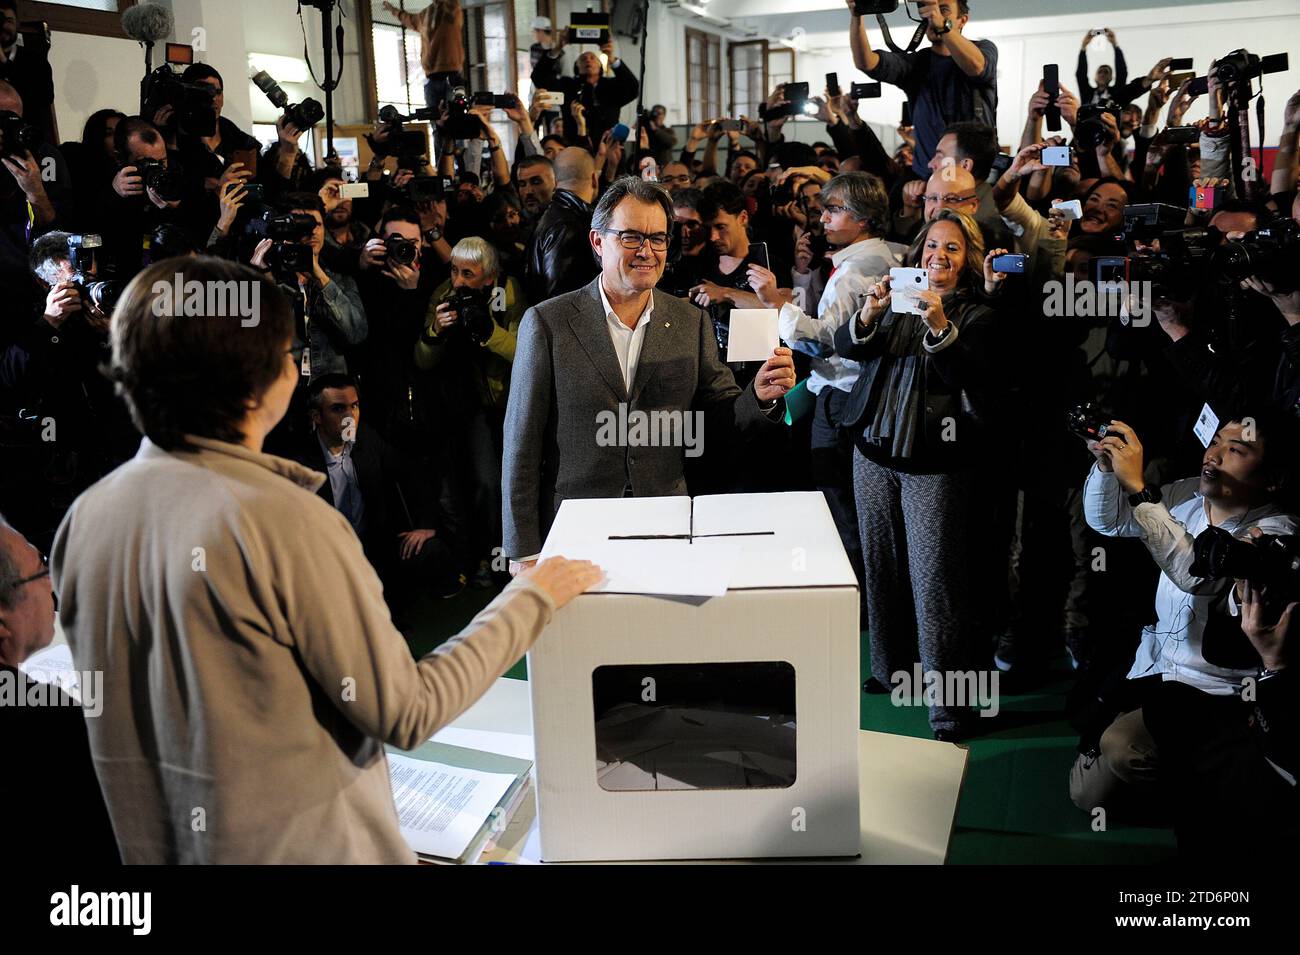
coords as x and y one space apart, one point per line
701 703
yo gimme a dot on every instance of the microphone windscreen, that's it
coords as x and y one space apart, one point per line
147 22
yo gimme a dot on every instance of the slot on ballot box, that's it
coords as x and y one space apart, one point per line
702 702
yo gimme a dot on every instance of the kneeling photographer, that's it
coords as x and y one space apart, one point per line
1242 472
469 338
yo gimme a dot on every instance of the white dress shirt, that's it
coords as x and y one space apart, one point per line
627 341
857 268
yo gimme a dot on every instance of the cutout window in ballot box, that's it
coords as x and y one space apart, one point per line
694 726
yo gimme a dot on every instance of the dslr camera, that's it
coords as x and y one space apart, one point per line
101 293
473 313
193 103
1270 253
16 136
1090 128
302 116
290 235
164 180
399 250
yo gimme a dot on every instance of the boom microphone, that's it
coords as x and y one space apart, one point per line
147 22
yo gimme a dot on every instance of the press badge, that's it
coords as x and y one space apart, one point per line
1207 425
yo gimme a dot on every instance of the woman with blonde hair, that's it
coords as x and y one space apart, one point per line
914 414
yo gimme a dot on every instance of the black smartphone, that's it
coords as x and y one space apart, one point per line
1013 263
758 254
1200 86
865 90
832 84
1052 84
1181 63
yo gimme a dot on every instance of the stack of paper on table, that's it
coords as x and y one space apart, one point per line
451 800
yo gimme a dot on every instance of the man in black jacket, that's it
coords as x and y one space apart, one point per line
601 96
25 63
393 510
559 257
48 774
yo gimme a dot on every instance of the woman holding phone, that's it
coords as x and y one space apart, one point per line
928 363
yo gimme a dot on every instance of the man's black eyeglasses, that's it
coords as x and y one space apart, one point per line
631 239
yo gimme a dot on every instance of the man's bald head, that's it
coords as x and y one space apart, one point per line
574 170
9 98
951 187
27 609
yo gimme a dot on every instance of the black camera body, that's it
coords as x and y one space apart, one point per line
193 103
1090 128
1090 422
290 233
1270 253
164 180
95 290
16 135
302 115
399 250
473 312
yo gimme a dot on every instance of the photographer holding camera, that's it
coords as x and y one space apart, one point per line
1241 475
150 189
600 96
332 314
469 338
953 79
396 281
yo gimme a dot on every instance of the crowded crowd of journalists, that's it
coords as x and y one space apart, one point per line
1010 480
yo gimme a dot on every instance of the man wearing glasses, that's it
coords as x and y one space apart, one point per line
47 757
616 342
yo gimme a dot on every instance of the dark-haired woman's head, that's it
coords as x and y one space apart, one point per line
203 346
951 250
97 134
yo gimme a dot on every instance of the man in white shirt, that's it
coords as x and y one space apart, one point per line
855 216
618 347
1236 491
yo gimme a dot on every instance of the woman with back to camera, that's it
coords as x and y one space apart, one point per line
251 671
914 413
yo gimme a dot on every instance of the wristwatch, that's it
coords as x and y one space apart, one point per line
1148 495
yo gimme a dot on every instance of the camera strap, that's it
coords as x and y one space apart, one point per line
889 40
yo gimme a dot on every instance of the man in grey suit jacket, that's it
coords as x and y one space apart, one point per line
619 351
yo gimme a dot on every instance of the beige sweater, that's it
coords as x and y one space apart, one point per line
251 671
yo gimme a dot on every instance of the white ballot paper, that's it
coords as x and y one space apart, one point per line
752 334
441 808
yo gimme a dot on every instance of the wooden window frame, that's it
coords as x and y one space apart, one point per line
67 19
706 38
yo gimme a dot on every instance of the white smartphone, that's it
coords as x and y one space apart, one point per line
1070 210
1056 155
903 286
354 190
